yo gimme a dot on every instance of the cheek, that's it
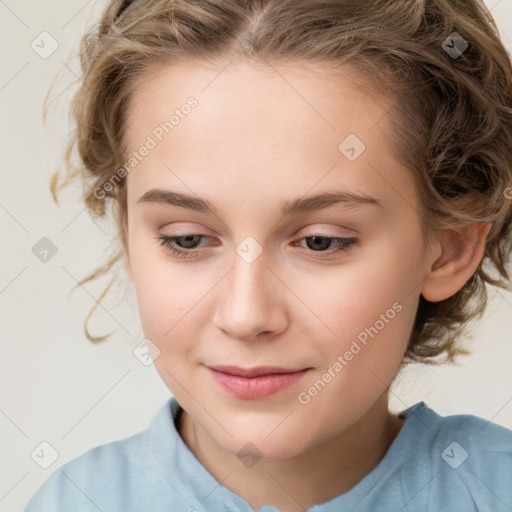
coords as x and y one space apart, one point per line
170 302
161 289
168 312
367 310
352 297
159 306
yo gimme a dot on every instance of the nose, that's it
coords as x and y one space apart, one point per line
251 301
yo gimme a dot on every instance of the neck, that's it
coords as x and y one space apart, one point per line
290 484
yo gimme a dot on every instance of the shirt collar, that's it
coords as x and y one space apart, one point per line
190 480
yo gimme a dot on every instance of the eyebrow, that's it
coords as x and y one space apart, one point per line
291 207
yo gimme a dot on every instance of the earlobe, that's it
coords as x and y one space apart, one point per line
461 255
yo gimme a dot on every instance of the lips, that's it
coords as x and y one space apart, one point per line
254 372
255 383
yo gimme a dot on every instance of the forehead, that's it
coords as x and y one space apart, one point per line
257 126
263 98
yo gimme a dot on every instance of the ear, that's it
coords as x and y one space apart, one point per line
461 253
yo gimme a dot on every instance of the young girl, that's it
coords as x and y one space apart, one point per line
309 195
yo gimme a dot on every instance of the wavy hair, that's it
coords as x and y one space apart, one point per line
440 62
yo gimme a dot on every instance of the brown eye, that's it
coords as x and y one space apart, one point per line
319 243
185 246
181 245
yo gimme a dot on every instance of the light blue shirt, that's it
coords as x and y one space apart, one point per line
435 464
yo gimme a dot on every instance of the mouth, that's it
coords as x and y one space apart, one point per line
258 371
255 383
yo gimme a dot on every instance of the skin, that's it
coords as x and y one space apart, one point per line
258 138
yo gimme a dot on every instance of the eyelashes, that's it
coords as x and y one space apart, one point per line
169 242
342 245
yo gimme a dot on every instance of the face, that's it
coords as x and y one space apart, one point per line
328 286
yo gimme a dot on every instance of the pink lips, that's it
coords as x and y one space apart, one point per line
255 383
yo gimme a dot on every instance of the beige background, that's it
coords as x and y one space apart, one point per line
56 386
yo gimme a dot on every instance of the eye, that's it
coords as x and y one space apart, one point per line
318 243
169 242
184 246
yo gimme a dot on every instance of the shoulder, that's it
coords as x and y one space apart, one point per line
478 434
120 476
467 438
465 459
91 479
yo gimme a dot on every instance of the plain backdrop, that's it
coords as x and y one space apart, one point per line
59 389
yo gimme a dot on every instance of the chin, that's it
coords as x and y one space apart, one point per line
258 444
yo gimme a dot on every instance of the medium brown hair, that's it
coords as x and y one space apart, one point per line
450 109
